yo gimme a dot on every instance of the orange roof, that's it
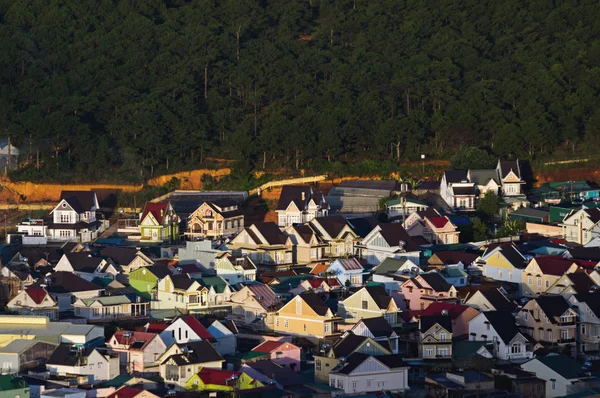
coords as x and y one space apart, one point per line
319 268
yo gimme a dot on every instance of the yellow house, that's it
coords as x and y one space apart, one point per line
208 379
504 263
306 315
180 362
436 337
542 272
369 302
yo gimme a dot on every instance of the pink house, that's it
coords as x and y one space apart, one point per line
136 349
419 292
459 314
282 353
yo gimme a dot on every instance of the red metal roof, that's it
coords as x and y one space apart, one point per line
37 294
158 210
553 265
156 327
436 308
439 222
585 264
268 298
198 328
216 376
133 337
271 346
350 264
126 392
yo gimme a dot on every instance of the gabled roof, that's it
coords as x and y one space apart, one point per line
80 201
319 268
553 265
390 264
512 254
66 282
498 300
436 282
181 282
270 231
506 166
64 356
378 326
455 176
120 255
127 392
585 253
504 323
315 303
349 264
592 299
197 352
216 376
271 346
264 295
593 214
197 327
84 261
429 212
363 226
454 257
438 222
333 225
427 322
305 232
379 295
355 360
553 306
141 338
293 193
394 233
483 176
562 364
581 281
157 210
460 191
347 345
453 310
37 294
281 374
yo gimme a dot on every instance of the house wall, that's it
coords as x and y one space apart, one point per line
296 317
287 355
371 377
543 372
480 327
531 323
179 332
97 367
352 308
344 275
226 343
65 300
535 282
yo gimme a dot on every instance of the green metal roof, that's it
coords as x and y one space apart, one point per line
454 272
217 283
562 364
389 265
118 381
12 382
394 202
107 300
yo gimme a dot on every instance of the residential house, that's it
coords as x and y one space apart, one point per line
440 230
235 269
66 288
419 216
266 245
184 330
460 316
363 373
214 380
499 327
307 246
180 362
491 300
388 240
442 258
485 180
403 207
281 352
87 266
348 271
549 320
219 291
336 233
435 337
224 334
215 219
422 290
34 301
318 285
581 226
279 377
70 360
544 271
20 355
454 275
511 180
458 383
330 356
74 218
369 302
255 306
563 374
159 222
33 231
306 315
587 305
144 280
299 204
110 307
130 392
180 291
504 263
457 191
526 384
126 259
573 283
399 266
137 350
378 329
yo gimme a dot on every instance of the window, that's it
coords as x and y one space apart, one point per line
443 352
340 383
365 304
318 364
327 328
332 382
583 329
186 334
99 365
541 334
526 315
381 384
539 281
554 381
547 284
354 384
530 280
304 327
442 336
369 381
565 319
487 326
277 322
515 348
429 352
564 334
500 274
285 323
509 275
550 335
462 281
576 222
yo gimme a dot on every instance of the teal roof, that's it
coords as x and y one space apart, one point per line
217 283
107 300
453 272
548 251
102 282
118 381
394 202
464 349
562 364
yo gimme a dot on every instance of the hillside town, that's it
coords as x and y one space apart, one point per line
477 285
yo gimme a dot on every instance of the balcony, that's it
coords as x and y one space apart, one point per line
565 341
570 323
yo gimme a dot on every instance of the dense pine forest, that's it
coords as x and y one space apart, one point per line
134 88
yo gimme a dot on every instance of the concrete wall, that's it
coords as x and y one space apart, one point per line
543 229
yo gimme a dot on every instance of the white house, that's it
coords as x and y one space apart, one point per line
362 373
581 226
485 180
457 191
299 204
225 340
34 229
500 328
403 207
504 263
180 291
137 350
74 218
71 360
86 266
587 306
184 330
109 307
235 269
347 270
563 374
34 301
511 180
388 240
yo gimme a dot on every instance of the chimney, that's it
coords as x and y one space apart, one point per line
303 196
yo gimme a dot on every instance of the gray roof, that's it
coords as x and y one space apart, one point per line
483 176
562 364
528 212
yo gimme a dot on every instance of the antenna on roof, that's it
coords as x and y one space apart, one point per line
444 312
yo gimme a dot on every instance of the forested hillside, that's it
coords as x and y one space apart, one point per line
139 87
